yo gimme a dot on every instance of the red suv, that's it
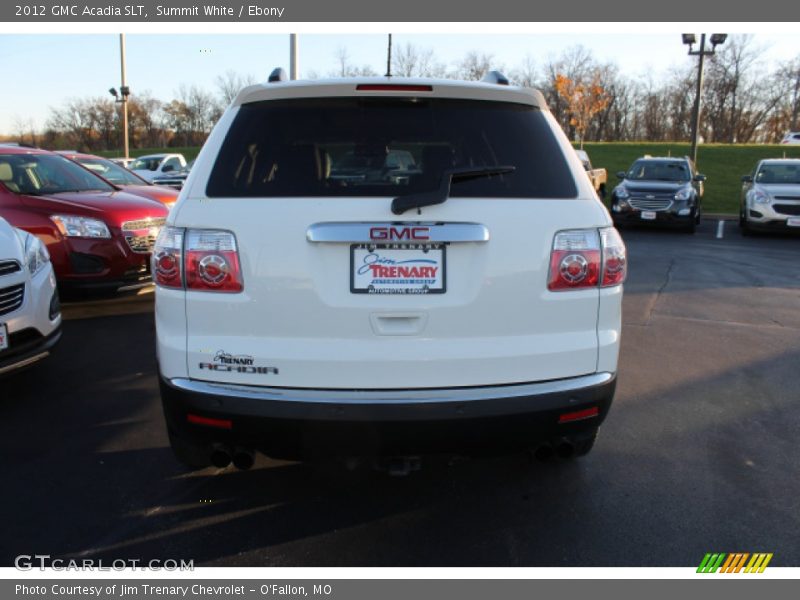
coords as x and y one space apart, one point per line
97 236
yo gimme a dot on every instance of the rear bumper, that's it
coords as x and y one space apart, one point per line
292 423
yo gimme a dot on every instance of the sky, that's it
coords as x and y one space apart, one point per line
40 71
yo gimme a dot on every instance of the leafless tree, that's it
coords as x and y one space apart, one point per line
474 66
347 69
231 83
24 130
411 61
526 74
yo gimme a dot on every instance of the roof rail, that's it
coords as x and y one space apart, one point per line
495 77
277 75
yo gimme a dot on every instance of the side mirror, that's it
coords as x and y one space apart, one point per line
747 179
621 174
699 178
167 168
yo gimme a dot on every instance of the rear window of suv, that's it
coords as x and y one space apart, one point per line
388 147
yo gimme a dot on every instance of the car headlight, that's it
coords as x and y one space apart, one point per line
759 197
72 226
35 252
621 193
684 194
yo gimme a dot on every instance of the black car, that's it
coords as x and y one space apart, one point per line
659 190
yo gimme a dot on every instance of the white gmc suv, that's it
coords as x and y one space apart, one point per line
316 299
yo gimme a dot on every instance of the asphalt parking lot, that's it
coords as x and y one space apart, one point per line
699 453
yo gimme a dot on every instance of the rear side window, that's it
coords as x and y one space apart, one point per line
388 147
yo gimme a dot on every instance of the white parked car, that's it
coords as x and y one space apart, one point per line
793 137
155 165
770 197
122 162
472 306
30 317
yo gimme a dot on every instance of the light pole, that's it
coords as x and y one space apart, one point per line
389 57
690 40
122 96
292 56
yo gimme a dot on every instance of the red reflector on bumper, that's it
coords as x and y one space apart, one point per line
579 415
219 423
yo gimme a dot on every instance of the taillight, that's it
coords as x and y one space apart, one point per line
586 258
212 261
615 262
197 259
167 267
575 260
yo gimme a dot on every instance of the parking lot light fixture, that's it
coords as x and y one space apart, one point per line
718 38
690 39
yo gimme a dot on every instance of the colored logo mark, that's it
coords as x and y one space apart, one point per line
735 562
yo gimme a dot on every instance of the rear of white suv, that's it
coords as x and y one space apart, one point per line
471 303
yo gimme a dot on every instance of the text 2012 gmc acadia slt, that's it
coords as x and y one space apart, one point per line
466 298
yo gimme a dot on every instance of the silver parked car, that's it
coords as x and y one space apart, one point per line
770 198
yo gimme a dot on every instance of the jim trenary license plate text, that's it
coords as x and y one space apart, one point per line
397 269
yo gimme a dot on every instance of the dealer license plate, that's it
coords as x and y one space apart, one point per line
648 215
793 221
397 269
3 336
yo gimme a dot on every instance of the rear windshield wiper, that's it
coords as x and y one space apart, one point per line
403 203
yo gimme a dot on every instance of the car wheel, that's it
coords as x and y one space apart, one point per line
744 226
191 455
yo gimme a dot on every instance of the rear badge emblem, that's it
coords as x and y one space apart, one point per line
241 363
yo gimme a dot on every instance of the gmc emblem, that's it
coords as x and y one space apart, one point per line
399 233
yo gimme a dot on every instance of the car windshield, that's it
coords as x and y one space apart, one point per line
111 171
659 170
37 174
778 173
146 163
388 147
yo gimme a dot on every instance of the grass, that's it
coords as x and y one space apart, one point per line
723 164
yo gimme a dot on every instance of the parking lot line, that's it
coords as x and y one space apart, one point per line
720 229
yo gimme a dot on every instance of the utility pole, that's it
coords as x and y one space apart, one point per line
123 88
292 56
389 58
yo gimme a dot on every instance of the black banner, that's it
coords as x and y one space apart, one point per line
497 11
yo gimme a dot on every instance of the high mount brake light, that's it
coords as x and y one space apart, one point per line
393 87
197 259
586 258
